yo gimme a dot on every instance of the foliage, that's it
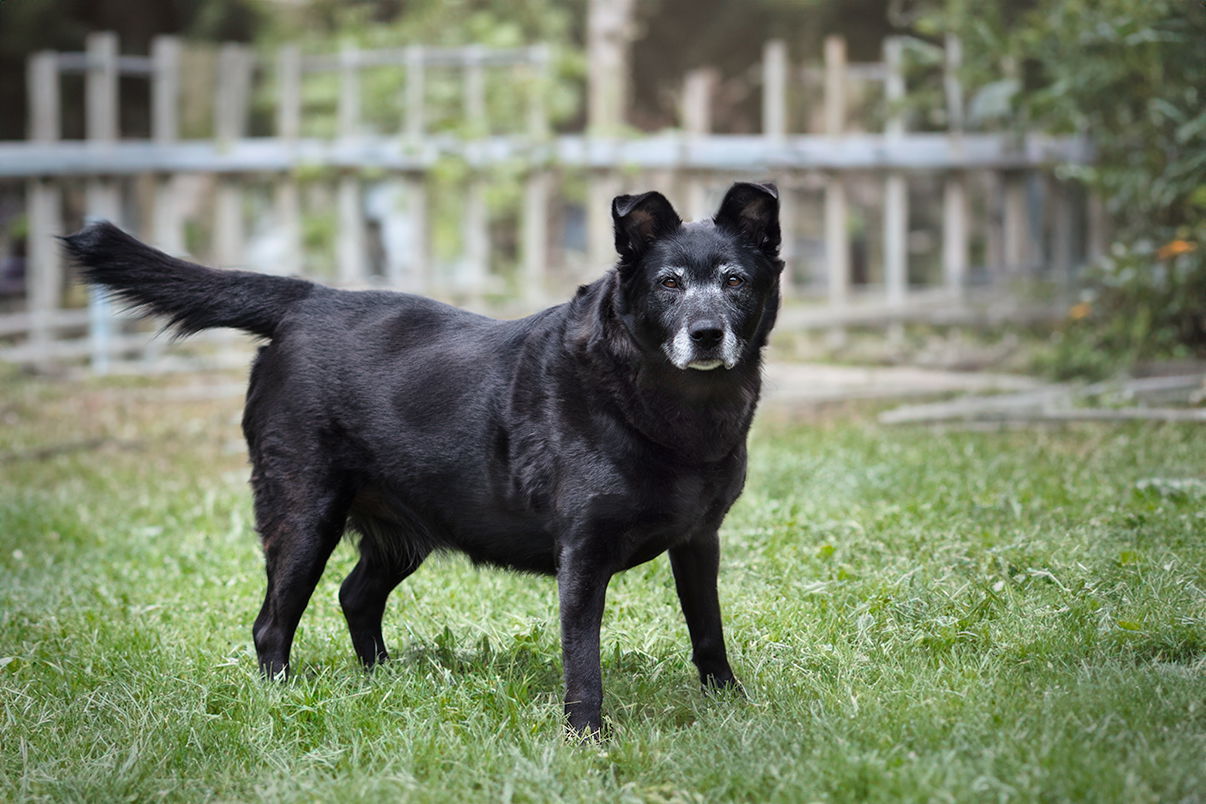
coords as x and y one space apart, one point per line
1140 303
1130 76
323 27
916 616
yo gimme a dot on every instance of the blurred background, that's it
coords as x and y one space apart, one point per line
960 569
1014 186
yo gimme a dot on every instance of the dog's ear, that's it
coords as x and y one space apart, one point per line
752 211
639 220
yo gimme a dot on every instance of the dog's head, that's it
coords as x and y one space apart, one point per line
703 294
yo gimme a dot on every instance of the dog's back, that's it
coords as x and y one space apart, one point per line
405 397
393 393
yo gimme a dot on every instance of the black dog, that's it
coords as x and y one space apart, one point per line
580 441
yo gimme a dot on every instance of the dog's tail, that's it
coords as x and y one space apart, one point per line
191 296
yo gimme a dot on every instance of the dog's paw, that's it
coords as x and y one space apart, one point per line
586 735
583 722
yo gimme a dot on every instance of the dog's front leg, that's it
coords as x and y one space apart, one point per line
696 565
582 588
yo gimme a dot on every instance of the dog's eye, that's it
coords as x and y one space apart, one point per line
670 282
734 281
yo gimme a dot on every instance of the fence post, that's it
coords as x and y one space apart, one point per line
609 32
287 199
1060 197
697 123
395 228
1016 223
165 128
954 234
416 182
476 222
774 89
100 88
535 235
896 195
603 186
350 247
837 241
102 197
230 125
992 190
954 185
775 69
44 204
1013 235
1098 225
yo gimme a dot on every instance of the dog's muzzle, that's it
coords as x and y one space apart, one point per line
703 345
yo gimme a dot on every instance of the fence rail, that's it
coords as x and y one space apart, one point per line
997 190
722 153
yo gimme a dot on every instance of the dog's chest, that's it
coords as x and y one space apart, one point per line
662 515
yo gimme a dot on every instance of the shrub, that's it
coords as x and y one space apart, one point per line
1131 77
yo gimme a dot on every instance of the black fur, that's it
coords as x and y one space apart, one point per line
580 441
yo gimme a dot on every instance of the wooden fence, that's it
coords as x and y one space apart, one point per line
999 196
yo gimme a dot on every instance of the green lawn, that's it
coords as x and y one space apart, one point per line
915 614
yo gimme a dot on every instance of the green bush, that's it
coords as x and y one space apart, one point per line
1141 302
1131 77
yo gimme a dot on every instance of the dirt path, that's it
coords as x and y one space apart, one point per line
787 385
795 385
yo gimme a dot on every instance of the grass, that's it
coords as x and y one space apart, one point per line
916 615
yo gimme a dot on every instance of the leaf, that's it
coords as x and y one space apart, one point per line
1198 199
1129 625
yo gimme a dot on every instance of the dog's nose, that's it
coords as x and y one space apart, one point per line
706 333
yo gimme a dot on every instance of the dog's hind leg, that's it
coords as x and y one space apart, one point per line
300 522
363 595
